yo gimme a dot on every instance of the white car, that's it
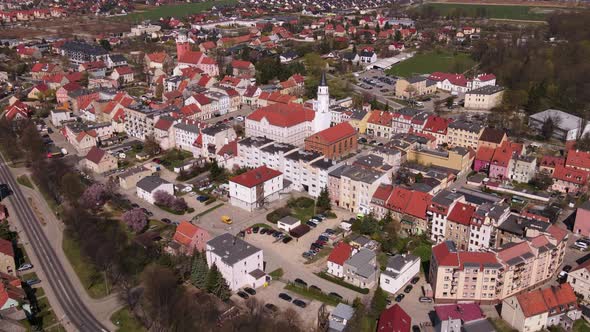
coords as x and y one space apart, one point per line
581 245
240 118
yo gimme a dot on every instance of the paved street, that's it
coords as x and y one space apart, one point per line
63 289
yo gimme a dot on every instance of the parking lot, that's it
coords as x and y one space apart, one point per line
377 82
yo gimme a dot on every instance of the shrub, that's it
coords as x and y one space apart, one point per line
278 214
300 203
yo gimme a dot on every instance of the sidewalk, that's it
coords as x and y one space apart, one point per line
102 308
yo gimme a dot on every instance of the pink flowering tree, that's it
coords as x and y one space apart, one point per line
135 219
95 196
166 200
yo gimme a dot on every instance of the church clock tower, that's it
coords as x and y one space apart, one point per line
322 118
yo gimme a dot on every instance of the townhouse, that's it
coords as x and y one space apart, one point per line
379 124
214 137
464 134
438 211
255 188
400 269
185 134
579 279
361 269
340 254
458 158
484 98
437 126
569 180
407 205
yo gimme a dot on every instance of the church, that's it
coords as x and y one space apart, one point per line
291 123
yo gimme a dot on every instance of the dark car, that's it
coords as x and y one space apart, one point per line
277 234
299 303
249 290
415 280
567 268
335 295
243 295
399 298
32 282
202 198
49 130
315 288
271 307
408 288
330 231
255 229
311 224
286 297
287 239
263 230
323 238
415 328
300 281
135 205
166 220
271 232
157 160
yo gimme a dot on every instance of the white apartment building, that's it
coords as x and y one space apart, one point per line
273 155
522 168
484 98
215 137
440 207
139 122
185 134
255 188
399 271
482 232
249 153
240 263
148 186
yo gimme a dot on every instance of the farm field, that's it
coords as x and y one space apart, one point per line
507 12
427 63
177 11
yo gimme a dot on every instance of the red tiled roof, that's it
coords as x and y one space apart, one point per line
437 124
255 177
578 159
557 233
72 86
552 161
185 232
502 156
443 256
208 61
381 118
476 258
283 115
486 77
516 250
340 253
485 153
461 213
95 154
157 57
163 124
337 133
240 64
411 202
124 70
455 79
43 67
383 192
192 57
6 248
230 149
577 176
190 109
394 319
544 300
208 45
18 108
466 312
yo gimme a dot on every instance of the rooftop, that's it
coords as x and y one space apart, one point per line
149 183
231 249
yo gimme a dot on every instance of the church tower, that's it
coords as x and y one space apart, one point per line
182 44
322 118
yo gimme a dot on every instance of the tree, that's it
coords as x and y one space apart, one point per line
398 36
378 302
71 187
323 202
94 197
150 146
216 284
215 170
200 270
159 90
105 44
135 219
549 126
541 181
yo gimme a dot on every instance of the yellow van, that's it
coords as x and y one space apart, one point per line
226 219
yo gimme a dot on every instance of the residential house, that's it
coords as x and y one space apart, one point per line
129 178
215 137
352 186
361 269
123 75
7 263
492 138
40 69
255 188
242 68
339 317
484 98
185 135
457 317
394 319
522 169
99 161
368 56
339 255
454 83
399 271
240 263
582 222
542 308
464 134
577 159
408 206
437 126
414 86
439 209
579 279
569 180
189 238
548 164
158 60
379 124
149 185
17 111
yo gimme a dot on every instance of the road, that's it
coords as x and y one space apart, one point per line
57 278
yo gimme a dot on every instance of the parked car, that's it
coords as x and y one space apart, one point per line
255 229
581 245
299 303
250 290
300 281
240 118
567 268
415 328
415 280
32 282
408 288
311 224
202 198
425 299
287 239
399 298
263 230
243 295
271 307
271 232
286 297
166 221
315 288
323 238
135 205
25 267
336 295
330 231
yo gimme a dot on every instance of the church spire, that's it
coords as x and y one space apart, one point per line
323 81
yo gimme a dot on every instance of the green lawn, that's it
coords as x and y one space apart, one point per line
92 280
426 63
581 326
24 181
493 11
501 325
312 294
177 11
126 321
277 274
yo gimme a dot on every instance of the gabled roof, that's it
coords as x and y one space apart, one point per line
157 57
283 115
337 133
466 312
164 123
492 135
437 124
95 155
340 253
455 79
567 174
578 159
394 319
461 213
185 232
557 298
256 176
230 149
485 153
240 64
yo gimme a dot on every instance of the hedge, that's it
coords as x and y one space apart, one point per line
342 283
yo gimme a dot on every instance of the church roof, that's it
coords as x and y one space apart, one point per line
323 81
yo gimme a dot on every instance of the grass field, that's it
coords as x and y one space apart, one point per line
126 321
92 280
427 63
176 11
24 180
494 11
